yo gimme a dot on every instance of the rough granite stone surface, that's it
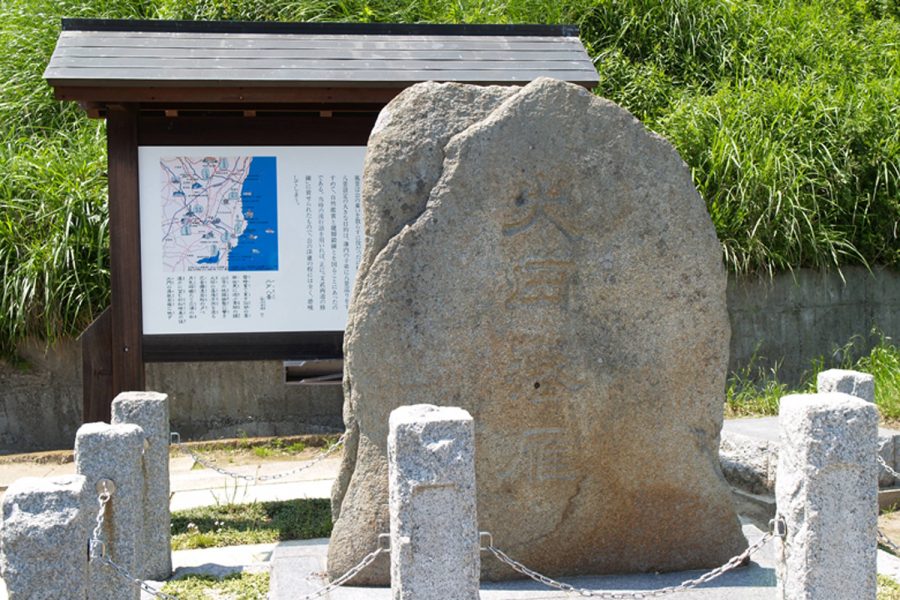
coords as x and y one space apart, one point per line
113 452
827 494
563 283
861 385
404 159
434 524
43 538
748 454
150 411
749 463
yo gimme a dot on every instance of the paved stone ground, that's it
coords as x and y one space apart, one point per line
297 569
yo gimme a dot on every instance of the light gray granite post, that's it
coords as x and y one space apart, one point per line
826 492
44 538
434 525
861 385
114 452
150 411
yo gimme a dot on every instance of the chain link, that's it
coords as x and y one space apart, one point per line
883 539
176 441
367 560
888 468
733 562
99 554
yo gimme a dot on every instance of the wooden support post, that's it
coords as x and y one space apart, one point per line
96 369
124 250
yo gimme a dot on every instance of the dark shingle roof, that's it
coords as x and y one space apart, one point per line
197 54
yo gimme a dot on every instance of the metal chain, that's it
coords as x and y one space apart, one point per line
887 468
887 542
733 562
99 555
365 562
176 441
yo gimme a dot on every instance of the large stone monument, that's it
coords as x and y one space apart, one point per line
537 257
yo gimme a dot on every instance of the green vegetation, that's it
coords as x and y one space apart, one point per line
238 586
756 391
254 523
888 589
785 110
265 447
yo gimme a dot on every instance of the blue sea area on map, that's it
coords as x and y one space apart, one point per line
257 247
209 260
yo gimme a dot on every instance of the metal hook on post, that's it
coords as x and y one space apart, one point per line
485 540
778 527
106 487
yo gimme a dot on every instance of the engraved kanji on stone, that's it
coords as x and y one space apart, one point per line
543 370
529 213
543 455
541 280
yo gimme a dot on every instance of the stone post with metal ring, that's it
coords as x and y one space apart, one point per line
110 457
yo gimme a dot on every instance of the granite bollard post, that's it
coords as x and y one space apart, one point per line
43 541
434 524
826 493
114 452
861 385
150 411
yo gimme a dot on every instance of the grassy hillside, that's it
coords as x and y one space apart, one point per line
786 110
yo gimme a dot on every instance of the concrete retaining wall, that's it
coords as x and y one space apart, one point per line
796 317
40 405
790 319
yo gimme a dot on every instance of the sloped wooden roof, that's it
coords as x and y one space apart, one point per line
92 54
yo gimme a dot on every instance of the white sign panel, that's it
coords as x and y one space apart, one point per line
249 239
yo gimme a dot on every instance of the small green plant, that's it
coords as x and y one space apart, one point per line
754 391
296 448
233 492
237 586
883 363
888 589
263 451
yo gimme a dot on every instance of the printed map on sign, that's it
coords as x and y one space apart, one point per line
219 213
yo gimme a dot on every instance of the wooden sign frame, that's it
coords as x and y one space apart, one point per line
325 87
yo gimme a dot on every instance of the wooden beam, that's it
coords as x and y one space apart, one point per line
96 368
232 95
281 130
243 346
125 249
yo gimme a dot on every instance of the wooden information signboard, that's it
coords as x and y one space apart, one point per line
235 157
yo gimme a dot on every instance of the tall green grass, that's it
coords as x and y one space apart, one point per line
785 111
756 391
